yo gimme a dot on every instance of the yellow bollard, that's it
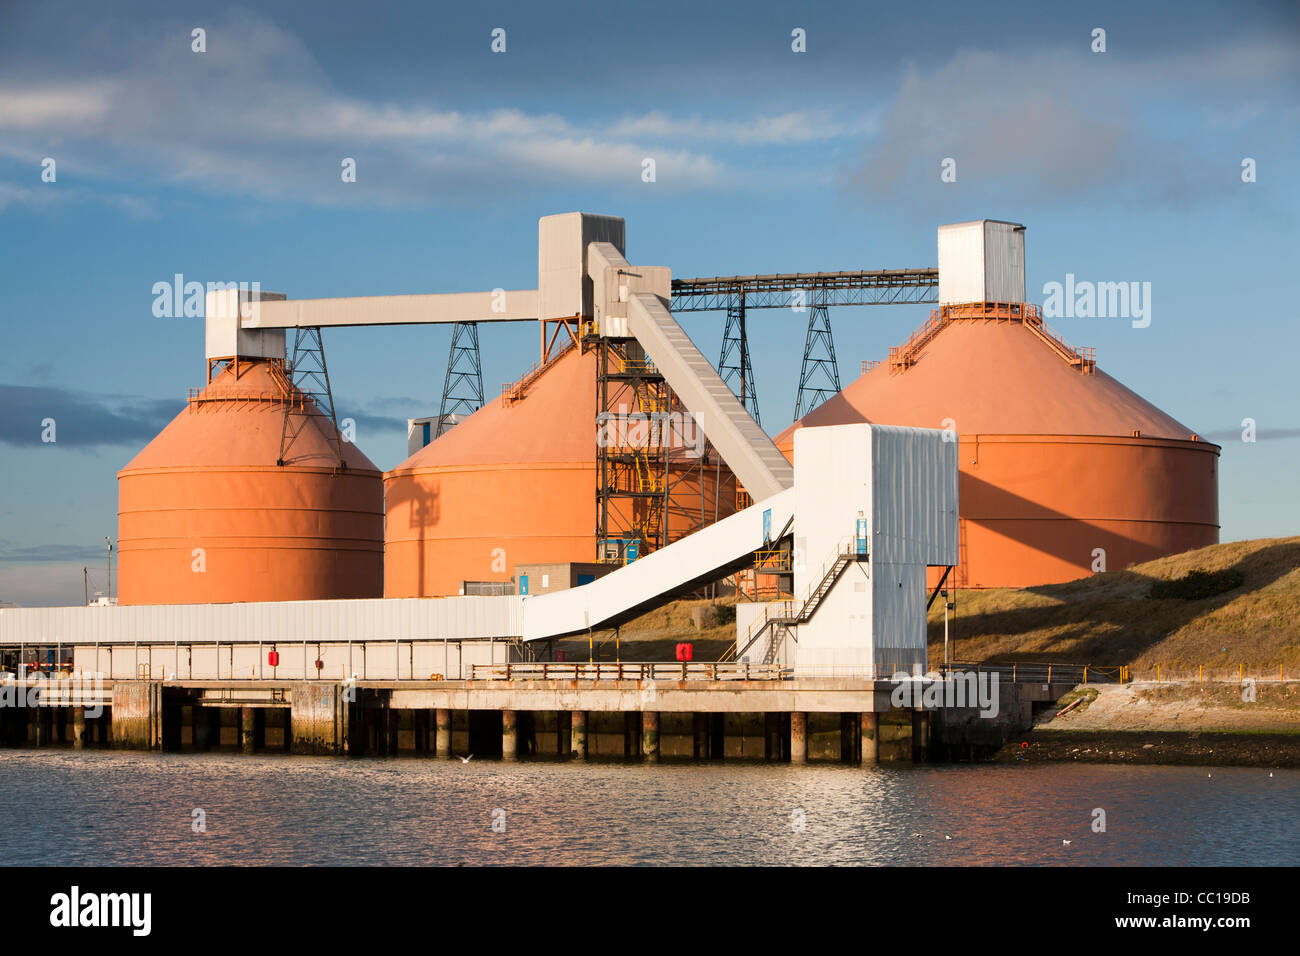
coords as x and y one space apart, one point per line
1241 673
1201 674
1157 673
1085 675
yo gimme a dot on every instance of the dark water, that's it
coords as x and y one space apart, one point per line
117 808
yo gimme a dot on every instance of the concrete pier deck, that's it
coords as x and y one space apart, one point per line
845 719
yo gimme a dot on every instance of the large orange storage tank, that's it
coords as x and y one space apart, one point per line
1061 472
515 483
205 515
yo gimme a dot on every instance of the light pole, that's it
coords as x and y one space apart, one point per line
947 606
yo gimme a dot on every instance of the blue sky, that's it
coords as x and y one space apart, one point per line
1125 166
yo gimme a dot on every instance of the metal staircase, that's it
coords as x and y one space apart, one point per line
779 615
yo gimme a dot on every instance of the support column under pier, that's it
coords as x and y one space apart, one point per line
798 737
509 735
420 723
247 729
563 732
442 741
578 734
920 736
650 735
79 728
137 715
870 744
320 717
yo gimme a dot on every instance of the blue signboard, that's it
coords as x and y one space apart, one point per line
767 525
862 536
523 584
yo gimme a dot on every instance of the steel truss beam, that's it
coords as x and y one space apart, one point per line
810 289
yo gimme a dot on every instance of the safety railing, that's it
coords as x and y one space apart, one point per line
1037 672
784 612
275 397
642 366
903 357
774 561
513 392
626 670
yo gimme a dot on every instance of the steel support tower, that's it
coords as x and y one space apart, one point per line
819 377
309 375
733 364
462 389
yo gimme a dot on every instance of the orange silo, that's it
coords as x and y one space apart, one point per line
515 483
205 514
1062 467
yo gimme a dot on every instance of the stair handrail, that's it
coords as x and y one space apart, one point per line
846 547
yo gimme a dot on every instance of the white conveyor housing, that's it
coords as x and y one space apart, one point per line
677 569
744 446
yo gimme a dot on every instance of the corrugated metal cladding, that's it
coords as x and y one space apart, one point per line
898 618
465 618
981 261
914 496
1004 262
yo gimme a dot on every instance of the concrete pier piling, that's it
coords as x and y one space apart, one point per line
920 736
247 729
798 737
578 734
563 732
392 728
650 735
79 728
509 734
870 743
442 735
137 715
320 719
421 728
202 723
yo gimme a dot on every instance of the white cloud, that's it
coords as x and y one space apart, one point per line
1068 122
257 116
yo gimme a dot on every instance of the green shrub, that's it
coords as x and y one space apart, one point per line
725 613
1198 585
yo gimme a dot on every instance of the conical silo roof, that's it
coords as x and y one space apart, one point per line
238 421
993 378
